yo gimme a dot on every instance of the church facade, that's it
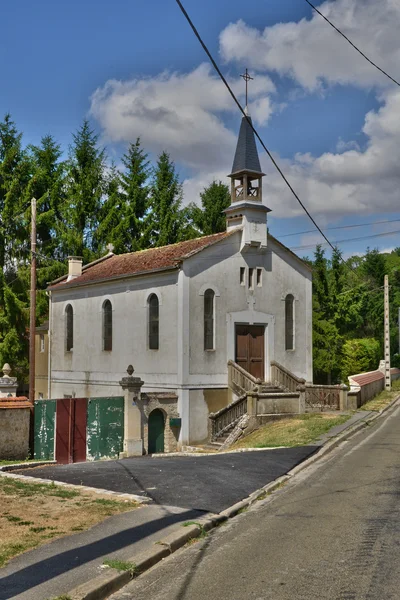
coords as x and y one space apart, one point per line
179 313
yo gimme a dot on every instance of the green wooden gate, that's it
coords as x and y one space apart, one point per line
105 427
156 431
44 422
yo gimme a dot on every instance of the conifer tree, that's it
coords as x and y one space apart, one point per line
135 194
84 189
15 174
165 219
48 187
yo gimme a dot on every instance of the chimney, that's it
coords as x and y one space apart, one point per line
74 267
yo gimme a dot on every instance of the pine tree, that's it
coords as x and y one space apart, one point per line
135 193
84 189
112 226
15 174
165 218
48 187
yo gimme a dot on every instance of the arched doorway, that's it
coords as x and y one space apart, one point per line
156 431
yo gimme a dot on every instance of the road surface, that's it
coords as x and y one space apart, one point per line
332 533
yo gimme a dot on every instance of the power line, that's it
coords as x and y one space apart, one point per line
357 239
214 64
351 43
341 227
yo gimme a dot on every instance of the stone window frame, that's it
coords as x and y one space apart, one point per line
202 292
107 339
290 294
41 343
69 327
150 294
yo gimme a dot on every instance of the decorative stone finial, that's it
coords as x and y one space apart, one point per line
130 370
110 248
6 370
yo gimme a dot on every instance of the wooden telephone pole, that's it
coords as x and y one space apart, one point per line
387 335
32 324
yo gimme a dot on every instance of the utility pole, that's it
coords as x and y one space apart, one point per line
387 335
32 324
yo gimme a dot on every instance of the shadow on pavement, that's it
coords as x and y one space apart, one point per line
45 570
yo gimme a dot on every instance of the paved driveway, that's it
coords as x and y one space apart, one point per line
207 483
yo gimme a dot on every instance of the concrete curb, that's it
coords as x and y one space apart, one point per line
81 488
103 586
25 465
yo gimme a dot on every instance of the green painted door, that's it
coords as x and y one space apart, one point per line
156 431
44 419
105 427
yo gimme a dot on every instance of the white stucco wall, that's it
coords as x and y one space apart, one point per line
181 364
88 369
218 267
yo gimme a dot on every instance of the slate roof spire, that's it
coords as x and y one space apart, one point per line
246 155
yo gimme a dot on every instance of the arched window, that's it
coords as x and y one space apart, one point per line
153 322
209 296
107 326
289 322
69 328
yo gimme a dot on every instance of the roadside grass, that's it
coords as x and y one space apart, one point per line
120 565
383 399
32 514
297 431
5 463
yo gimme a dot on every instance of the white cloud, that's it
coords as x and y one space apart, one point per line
312 53
180 113
348 182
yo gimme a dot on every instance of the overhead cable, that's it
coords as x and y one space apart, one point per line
214 64
351 43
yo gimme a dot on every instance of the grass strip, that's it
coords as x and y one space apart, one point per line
383 399
300 430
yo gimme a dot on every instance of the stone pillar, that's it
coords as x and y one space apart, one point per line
343 397
302 398
252 398
133 426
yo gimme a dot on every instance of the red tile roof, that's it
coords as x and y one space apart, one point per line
366 378
135 263
14 402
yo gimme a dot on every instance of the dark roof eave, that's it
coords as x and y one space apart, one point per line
72 284
235 173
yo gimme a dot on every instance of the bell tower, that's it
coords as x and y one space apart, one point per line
247 210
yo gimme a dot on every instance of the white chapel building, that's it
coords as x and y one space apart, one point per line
179 313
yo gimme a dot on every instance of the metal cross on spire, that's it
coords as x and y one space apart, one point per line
247 78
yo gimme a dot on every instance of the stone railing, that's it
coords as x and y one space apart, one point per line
226 418
239 380
283 378
324 397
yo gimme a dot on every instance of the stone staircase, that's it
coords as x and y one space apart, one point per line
253 394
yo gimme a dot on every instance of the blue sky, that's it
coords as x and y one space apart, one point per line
135 68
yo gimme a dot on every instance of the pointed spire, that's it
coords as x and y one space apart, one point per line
246 155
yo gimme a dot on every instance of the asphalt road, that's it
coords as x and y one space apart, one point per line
206 483
332 533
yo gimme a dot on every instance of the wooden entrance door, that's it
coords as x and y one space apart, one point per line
71 430
156 431
250 349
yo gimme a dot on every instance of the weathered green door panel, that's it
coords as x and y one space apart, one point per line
44 424
105 427
156 431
